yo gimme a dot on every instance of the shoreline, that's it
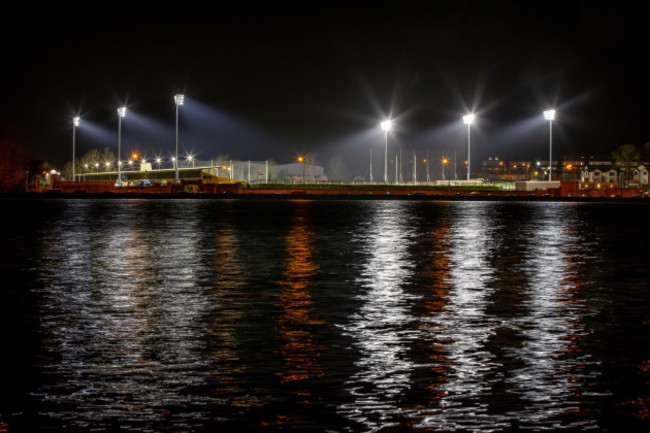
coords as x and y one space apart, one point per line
301 195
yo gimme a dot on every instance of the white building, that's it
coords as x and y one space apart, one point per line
599 174
640 175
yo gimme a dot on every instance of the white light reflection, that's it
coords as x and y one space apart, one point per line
381 325
124 335
463 327
554 374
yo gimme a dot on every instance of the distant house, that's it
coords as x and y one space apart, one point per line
610 174
599 174
640 175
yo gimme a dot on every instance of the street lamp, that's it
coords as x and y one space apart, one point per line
75 124
445 161
386 125
468 119
301 160
121 112
179 99
550 116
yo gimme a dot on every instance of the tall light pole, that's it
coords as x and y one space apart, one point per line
178 100
550 116
468 119
386 125
75 124
121 112
301 160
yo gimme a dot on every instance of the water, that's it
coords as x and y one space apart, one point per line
342 316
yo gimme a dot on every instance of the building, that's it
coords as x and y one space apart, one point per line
601 173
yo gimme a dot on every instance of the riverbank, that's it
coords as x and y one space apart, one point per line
323 195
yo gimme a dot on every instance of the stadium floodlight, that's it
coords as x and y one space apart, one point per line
386 125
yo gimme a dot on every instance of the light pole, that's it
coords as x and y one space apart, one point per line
550 116
386 125
444 164
121 112
75 124
301 160
178 100
468 119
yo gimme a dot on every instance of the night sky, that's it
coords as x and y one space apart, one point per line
276 80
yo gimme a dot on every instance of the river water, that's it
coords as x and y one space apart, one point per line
342 316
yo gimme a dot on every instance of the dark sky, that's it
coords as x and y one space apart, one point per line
314 77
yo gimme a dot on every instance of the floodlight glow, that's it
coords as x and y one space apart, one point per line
75 121
468 119
121 111
549 114
179 99
386 125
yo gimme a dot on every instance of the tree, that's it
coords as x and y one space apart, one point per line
625 156
67 171
13 161
336 168
310 160
86 163
645 152
273 169
17 167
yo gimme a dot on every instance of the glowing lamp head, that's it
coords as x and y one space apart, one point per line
549 114
386 125
468 119
75 121
179 99
300 159
121 111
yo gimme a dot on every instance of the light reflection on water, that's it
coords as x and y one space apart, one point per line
555 369
380 327
347 316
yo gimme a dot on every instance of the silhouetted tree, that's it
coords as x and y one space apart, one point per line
645 152
336 168
625 155
13 161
